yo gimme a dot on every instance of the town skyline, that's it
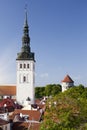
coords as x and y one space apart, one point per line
58 33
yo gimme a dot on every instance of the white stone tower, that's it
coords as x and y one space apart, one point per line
67 82
25 69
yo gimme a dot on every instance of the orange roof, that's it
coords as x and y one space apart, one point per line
33 115
67 79
7 90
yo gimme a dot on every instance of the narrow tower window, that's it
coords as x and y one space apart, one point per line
24 79
24 65
20 65
28 66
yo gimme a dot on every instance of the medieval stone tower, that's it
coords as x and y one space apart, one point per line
25 69
67 82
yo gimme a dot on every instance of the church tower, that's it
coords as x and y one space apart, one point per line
25 69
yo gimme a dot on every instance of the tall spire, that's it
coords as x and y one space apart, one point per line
26 50
26 38
26 21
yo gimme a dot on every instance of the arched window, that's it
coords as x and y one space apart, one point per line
24 65
28 66
20 65
24 79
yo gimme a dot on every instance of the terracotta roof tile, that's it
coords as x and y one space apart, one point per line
67 79
7 90
33 115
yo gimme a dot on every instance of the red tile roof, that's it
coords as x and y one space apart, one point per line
8 102
7 90
67 79
33 115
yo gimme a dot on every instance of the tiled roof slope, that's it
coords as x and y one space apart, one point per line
7 90
67 79
33 115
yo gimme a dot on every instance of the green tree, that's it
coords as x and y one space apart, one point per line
76 91
48 89
39 92
84 94
52 89
56 89
66 111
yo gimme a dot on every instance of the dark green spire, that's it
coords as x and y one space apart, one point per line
26 38
25 50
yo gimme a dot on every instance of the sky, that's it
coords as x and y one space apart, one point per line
58 32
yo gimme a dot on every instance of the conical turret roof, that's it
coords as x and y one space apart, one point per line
67 79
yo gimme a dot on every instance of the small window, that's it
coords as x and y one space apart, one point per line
24 65
20 65
28 66
24 79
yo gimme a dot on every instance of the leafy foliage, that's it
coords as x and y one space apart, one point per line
39 92
48 90
67 110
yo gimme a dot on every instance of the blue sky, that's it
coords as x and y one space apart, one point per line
58 32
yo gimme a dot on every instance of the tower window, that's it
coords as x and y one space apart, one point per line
24 79
28 66
20 65
24 65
